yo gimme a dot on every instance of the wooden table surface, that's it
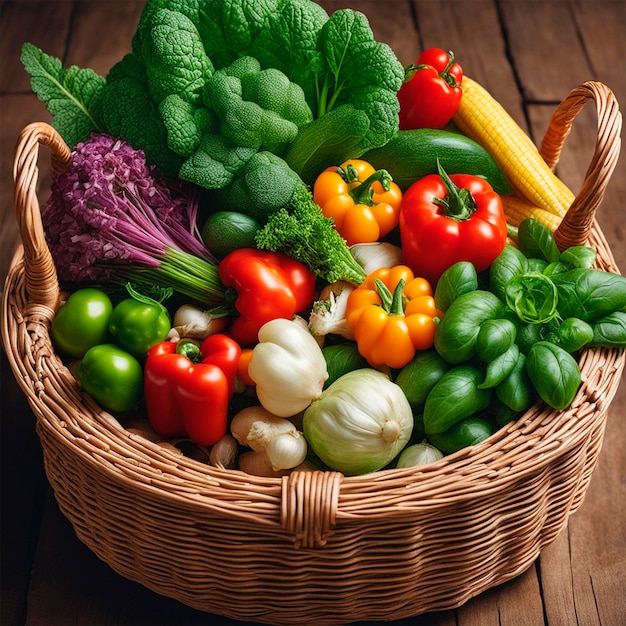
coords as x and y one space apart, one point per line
529 54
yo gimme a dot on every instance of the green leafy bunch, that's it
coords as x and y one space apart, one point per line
209 83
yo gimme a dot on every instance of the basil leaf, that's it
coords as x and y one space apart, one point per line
536 240
455 339
578 256
510 262
455 397
589 294
516 391
494 338
554 374
458 279
610 330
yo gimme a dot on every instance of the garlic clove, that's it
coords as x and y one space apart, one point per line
373 256
287 450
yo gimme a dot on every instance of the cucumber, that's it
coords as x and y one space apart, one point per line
412 154
420 375
340 359
467 432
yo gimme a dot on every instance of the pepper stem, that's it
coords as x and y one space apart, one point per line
164 294
363 192
392 303
459 204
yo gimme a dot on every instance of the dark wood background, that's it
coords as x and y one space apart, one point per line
529 54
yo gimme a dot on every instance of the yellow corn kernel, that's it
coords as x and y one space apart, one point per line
518 209
482 118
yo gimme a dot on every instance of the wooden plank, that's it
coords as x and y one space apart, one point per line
548 66
42 23
556 581
602 24
16 111
117 18
523 592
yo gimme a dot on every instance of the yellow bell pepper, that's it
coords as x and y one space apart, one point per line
363 202
392 314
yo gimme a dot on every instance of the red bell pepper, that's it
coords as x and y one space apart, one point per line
184 398
445 219
225 352
431 92
266 286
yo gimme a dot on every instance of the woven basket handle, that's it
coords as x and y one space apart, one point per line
309 503
578 221
40 274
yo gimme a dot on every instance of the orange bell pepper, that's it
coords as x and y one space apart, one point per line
363 202
392 315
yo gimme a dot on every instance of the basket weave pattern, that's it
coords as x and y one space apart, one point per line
313 546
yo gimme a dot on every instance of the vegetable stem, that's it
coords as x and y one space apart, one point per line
459 205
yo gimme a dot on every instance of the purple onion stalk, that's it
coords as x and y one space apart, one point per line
112 218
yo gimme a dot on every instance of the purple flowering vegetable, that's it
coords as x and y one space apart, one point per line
111 218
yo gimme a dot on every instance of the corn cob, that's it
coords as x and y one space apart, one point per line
482 118
518 209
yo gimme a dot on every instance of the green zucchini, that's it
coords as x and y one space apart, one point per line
412 154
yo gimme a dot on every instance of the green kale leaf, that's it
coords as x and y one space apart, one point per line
72 95
173 55
359 73
130 113
229 29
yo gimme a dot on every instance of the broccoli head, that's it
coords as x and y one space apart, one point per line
257 108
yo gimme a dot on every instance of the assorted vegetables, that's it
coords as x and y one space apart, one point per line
273 249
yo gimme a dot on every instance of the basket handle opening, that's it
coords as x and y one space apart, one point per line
40 276
578 221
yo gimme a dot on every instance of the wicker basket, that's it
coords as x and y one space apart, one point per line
314 546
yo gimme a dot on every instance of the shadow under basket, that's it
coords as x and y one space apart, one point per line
313 546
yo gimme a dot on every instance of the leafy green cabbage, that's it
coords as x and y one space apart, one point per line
156 98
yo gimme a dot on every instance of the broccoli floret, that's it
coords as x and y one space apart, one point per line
257 108
265 184
303 232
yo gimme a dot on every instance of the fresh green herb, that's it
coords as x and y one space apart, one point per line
72 95
458 279
610 330
533 297
589 294
535 240
554 374
314 88
301 231
454 397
